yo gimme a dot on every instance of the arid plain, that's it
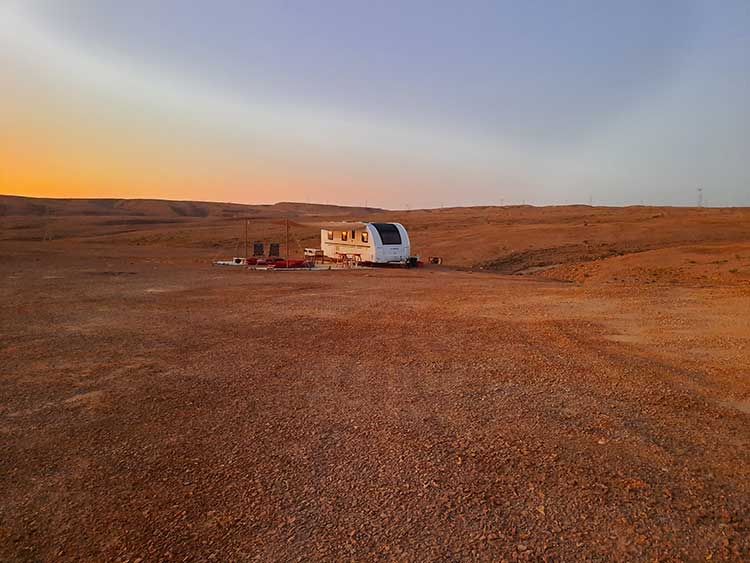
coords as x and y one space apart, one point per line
573 384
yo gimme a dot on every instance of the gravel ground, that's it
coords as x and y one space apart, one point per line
171 411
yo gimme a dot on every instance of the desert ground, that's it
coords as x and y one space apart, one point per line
573 384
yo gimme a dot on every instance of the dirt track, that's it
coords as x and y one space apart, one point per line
168 410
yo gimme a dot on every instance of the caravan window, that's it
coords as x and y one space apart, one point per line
365 237
330 235
354 236
388 233
344 235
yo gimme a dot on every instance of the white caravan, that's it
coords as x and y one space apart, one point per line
375 243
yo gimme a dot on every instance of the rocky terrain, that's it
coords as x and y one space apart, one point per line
572 386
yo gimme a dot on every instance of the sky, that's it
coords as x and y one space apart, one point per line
397 103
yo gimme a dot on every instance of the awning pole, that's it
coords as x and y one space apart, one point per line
286 222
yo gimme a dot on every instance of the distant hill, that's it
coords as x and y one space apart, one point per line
579 243
20 206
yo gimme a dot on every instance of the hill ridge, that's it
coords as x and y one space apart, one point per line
25 206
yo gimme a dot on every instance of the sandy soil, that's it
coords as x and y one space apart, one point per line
155 407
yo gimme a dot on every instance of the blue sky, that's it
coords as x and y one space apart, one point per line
393 103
